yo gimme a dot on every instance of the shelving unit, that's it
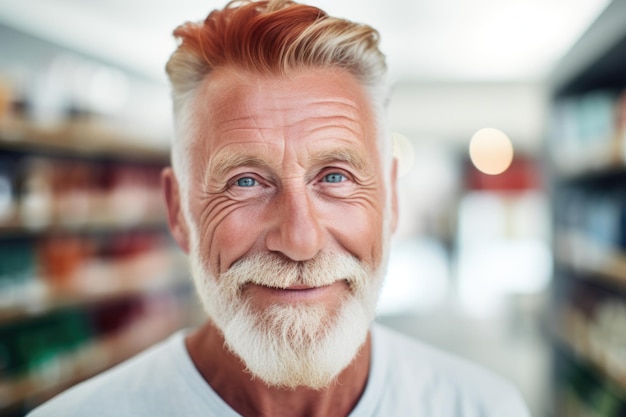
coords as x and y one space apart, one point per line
588 260
87 358
89 275
69 139
587 148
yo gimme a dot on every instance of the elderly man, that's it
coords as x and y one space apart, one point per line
282 193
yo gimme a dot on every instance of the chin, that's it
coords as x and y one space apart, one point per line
290 345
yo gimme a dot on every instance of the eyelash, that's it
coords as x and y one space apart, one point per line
338 174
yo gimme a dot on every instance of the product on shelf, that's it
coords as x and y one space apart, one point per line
583 393
7 190
621 116
587 131
74 194
587 147
36 195
18 280
40 357
88 272
592 320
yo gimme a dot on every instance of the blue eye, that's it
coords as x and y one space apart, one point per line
334 178
246 182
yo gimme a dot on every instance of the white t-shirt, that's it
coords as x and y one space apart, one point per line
406 378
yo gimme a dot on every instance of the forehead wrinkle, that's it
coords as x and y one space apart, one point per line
351 127
228 121
323 110
283 114
334 101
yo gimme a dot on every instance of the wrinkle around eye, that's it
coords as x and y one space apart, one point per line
363 199
257 192
215 211
367 194
212 214
355 181
215 207
231 189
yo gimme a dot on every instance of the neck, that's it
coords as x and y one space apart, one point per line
250 396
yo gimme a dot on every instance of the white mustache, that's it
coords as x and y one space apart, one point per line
276 271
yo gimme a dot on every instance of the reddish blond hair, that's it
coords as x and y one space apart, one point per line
270 37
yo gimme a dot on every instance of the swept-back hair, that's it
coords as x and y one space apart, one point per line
269 37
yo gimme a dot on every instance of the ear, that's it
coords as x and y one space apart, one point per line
394 194
175 217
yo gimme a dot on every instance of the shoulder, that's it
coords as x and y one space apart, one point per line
444 380
119 390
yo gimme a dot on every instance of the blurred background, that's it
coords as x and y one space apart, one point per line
509 120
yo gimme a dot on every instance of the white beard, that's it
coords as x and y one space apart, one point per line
290 345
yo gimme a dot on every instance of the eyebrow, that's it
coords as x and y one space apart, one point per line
224 163
348 155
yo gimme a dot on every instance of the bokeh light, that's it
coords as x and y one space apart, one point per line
404 152
491 151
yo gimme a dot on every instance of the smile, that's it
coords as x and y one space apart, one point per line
297 293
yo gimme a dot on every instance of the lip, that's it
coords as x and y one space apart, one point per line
300 288
296 293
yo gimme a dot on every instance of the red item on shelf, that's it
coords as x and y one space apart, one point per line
523 174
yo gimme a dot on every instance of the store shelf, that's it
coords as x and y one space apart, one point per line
109 223
594 161
53 300
585 387
40 298
86 139
587 148
90 359
583 349
591 260
89 275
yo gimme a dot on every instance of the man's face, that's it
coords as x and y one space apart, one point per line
288 166
286 171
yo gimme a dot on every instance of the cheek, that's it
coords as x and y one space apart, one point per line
235 236
227 231
358 228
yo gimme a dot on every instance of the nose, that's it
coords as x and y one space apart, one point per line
296 230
